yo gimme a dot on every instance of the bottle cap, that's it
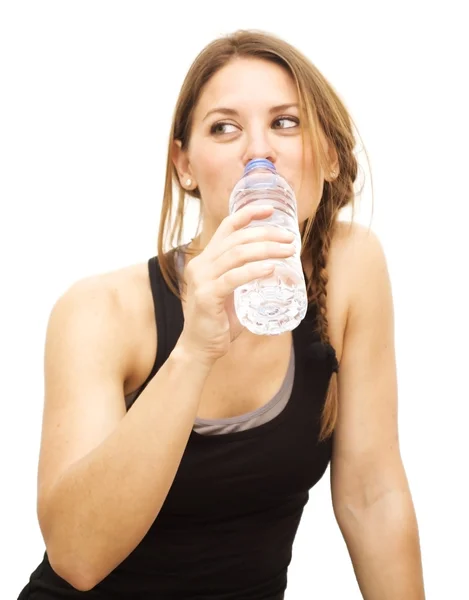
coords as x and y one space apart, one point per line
257 163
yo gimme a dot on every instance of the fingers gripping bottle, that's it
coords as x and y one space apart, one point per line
276 303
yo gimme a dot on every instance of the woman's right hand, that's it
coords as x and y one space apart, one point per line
235 255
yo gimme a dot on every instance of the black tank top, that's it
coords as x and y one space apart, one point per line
227 526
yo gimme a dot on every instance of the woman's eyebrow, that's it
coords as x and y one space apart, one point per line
235 113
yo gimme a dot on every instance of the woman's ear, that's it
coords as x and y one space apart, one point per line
333 162
181 163
331 168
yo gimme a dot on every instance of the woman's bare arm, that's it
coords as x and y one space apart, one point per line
104 473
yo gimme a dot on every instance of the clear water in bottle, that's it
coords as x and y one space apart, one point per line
276 303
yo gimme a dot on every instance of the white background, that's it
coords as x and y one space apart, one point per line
88 90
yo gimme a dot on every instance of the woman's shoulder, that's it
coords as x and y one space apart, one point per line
355 251
353 248
127 288
351 238
126 294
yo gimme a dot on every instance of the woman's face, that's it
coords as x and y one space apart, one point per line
249 109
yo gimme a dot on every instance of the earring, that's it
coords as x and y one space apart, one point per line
188 182
333 174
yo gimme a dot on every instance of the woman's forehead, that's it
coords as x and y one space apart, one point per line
246 83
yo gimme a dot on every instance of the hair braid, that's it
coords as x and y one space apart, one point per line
320 237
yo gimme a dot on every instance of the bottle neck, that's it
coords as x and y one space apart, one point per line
262 164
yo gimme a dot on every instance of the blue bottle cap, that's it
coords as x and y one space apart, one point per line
257 163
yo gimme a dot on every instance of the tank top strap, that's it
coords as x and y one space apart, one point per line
308 339
168 312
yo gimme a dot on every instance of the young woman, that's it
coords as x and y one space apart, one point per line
178 449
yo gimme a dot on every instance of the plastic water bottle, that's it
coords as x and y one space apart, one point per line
278 302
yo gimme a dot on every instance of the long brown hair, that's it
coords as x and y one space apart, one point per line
320 107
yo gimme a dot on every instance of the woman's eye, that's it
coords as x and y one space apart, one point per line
222 127
286 122
219 128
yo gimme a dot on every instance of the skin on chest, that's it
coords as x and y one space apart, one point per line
246 378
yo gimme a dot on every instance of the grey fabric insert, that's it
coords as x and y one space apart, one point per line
257 417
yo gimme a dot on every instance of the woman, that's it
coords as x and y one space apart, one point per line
178 449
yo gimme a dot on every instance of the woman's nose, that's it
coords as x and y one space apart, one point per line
259 146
